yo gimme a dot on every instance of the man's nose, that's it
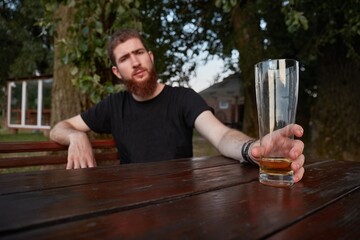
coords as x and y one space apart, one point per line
135 61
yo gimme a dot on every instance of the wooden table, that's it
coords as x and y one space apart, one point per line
200 198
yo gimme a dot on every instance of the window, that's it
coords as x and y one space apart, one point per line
29 103
223 104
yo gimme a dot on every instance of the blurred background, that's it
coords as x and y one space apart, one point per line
53 61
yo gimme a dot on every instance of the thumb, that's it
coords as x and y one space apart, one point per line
257 152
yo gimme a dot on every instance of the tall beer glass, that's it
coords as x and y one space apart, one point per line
277 84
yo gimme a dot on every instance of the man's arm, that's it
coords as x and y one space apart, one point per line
72 132
226 140
229 142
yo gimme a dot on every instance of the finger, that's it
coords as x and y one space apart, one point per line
297 149
70 164
92 163
257 152
76 165
298 163
90 160
292 129
83 164
298 131
299 174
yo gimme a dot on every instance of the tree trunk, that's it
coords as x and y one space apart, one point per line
335 114
249 43
66 98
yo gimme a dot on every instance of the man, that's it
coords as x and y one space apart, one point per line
154 122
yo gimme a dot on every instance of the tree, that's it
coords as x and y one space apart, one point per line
25 50
82 73
66 100
331 49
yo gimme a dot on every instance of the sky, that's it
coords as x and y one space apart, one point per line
205 75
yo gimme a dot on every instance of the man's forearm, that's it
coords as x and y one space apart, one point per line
231 144
64 133
73 133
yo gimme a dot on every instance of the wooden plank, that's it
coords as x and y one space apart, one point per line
131 189
339 220
219 202
39 180
19 182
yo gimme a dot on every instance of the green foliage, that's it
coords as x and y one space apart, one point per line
295 19
311 25
185 34
178 32
305 30
84 47
226 5
25 48
325 23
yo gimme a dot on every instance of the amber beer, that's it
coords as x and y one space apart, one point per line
275 166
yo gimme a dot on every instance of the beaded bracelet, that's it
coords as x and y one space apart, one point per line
245 151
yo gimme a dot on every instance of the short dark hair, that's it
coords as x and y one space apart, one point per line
122 36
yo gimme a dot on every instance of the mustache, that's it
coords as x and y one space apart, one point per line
139 69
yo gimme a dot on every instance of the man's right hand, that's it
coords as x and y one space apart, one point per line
80 153
72 132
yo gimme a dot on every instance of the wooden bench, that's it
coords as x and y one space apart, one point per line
24 154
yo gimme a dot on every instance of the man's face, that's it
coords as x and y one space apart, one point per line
135 67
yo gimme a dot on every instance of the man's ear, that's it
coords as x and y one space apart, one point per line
115 70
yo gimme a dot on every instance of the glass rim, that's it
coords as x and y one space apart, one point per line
277 59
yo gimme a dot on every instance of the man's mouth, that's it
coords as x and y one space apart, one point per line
139 72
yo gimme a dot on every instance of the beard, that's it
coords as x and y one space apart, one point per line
144 88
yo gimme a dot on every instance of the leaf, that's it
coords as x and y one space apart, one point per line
65 59
218 3
74 71
233 2
304 22
99 52
99 27
85 31
71 3
96 78
120 10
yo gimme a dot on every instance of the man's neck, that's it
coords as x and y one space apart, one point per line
158 89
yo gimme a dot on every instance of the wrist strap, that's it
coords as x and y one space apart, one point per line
245 152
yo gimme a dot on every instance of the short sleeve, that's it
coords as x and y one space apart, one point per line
194 106
98 117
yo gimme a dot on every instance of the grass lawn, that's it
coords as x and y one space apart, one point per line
21 137
201 147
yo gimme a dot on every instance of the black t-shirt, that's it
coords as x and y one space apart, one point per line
154 130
